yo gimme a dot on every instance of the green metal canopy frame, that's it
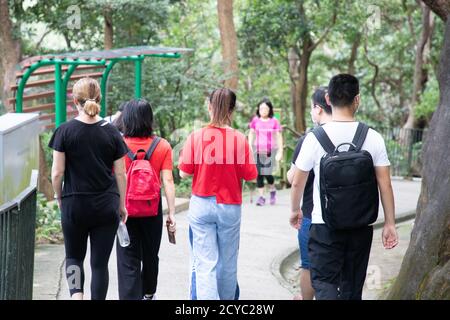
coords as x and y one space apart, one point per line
107 58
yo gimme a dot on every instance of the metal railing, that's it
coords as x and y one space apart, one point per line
404 148
17 240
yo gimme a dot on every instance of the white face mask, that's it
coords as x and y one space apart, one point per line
315 123
312 119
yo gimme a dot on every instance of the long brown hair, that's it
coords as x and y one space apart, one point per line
87 92
223 103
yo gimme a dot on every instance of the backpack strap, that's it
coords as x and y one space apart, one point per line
130 154
360 135
324 140
152 147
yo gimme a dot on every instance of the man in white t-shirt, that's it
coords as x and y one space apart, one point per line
339 258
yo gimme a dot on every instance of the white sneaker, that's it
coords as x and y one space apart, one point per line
149 297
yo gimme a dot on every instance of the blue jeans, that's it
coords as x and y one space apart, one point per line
303 238
214 232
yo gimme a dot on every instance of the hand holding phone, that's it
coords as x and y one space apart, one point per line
171 234
171 228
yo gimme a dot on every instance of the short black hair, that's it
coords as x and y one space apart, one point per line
137 118
318 98
342 89
268 103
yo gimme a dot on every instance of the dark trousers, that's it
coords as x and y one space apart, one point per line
95 217
339 261
138 264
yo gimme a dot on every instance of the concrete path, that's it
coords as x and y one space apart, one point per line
266 241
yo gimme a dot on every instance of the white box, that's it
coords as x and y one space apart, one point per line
19 152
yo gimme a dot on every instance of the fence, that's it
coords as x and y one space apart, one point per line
17 240
404 148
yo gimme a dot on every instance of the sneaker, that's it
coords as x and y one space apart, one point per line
273 197
261 201
149 297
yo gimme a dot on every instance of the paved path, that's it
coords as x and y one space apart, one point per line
266 240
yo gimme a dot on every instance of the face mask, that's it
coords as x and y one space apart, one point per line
312 119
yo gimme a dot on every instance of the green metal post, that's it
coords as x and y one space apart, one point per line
65 83
67 76
60 104
23 82
137 77
103 86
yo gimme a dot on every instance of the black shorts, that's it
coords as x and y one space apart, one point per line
265 163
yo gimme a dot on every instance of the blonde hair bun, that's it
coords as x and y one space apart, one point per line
87 92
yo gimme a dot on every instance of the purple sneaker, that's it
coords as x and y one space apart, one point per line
273 197
261 201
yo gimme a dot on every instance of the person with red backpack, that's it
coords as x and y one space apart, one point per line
148 163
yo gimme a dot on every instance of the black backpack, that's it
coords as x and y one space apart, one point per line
348 185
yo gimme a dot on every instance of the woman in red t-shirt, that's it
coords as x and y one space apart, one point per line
137 264
218 158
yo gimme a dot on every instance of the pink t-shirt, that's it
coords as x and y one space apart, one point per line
265 133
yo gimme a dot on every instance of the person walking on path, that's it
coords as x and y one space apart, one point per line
339 248
320 114
218 158
86 151
267 142
137 264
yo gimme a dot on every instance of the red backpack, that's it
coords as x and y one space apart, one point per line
143 184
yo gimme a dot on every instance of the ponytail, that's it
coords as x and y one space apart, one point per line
87 92
91 107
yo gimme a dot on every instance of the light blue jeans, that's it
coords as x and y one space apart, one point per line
214 231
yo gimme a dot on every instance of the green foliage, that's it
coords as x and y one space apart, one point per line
177 89
48 221
45 139
184 188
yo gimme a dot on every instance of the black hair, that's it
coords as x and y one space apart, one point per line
268 103
342 89
137 118
318 98
121 106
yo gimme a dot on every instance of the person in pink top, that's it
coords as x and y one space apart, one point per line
267 143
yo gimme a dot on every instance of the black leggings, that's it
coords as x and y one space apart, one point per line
96 217
138 264
260 180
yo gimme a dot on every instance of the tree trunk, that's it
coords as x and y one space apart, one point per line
229 42
108 30
44 184
354 54
439 7
426 266
10 52
300 123
294 64
419 72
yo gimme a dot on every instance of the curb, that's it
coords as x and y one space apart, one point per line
283 259
182 205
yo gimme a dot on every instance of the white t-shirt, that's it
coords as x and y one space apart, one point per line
338 132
